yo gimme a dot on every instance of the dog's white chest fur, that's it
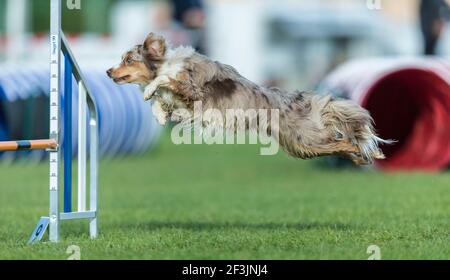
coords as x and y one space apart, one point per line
166 97
165 105
165 101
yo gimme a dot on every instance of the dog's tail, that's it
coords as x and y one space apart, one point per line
369 146
354 123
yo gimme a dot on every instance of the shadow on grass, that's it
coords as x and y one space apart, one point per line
210 226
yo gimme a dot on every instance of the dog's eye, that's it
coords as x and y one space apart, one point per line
129 61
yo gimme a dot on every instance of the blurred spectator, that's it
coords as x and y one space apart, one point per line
433 14
190 14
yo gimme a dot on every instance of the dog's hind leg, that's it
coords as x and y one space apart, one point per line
351 151
340 148
309 151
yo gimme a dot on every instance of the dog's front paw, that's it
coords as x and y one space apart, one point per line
148 94
150 91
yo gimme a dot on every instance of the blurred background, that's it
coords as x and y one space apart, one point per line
370 51
292 42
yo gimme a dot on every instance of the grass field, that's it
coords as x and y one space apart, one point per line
227 202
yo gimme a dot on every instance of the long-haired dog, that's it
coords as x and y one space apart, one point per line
309 125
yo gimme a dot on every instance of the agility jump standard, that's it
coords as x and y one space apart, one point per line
86 108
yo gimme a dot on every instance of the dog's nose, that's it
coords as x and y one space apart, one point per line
109 72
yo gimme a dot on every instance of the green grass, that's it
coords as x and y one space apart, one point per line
227 202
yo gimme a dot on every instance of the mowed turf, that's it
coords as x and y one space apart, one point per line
228 202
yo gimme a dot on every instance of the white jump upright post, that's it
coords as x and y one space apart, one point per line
86 107
55 88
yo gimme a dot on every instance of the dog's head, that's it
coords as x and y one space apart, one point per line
140 65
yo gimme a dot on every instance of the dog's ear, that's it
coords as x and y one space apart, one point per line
154 47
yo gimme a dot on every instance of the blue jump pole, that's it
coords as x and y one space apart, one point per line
67 134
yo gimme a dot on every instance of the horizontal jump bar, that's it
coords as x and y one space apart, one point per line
28 145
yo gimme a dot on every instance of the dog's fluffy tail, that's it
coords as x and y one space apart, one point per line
355 125
369 147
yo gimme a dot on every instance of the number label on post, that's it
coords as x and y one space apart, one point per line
39 230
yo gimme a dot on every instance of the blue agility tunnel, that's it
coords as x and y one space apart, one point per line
126 123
